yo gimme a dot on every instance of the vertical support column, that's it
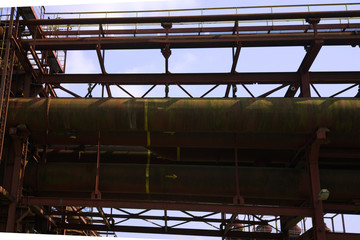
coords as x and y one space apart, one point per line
166 52
63 230
235 57
14 159
305 85
284 229
312 157
16 162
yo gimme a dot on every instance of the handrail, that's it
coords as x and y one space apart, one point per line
206 9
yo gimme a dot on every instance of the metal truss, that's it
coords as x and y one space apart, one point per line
311 30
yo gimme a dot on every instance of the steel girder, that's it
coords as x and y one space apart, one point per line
203 78
203 41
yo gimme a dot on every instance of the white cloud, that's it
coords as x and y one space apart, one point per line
82 62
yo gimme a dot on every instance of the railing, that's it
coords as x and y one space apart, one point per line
198 12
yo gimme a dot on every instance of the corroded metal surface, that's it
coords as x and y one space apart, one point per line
184 183
290 116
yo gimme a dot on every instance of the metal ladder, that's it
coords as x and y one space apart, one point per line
6 77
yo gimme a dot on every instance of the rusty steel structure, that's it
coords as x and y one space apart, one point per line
232 167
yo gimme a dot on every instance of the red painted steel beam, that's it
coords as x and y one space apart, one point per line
342 208
28 13
101 59
199 18
183 78
203 78
202 207
334 77
342 236
310 56
204 29
195 41
312 161
304 68
152 217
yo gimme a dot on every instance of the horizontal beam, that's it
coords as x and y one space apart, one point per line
179 206
201 207
199 18
203 78
192 41
339 27
152 217
342 236
342 208
169 230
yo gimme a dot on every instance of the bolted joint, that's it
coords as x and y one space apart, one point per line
166 25
292 88
237 199
166 52
307 48
313 20
96 195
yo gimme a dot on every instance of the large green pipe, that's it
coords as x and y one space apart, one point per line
185 182
58 120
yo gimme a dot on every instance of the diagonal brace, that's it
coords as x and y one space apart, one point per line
101 58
